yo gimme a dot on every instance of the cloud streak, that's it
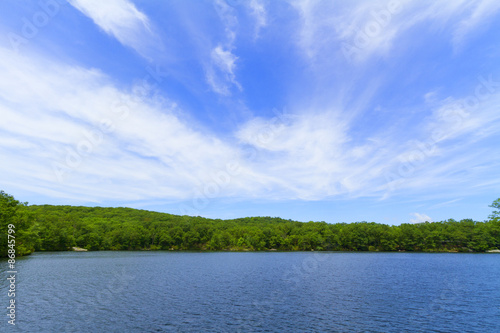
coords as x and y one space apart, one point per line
364 29
99 132
221 72
221 67
122 20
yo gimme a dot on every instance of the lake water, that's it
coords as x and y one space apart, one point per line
255 292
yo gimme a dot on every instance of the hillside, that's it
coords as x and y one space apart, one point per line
58 228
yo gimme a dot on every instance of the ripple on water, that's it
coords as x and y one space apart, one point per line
257 292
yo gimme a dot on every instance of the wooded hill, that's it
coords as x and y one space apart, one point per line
59 228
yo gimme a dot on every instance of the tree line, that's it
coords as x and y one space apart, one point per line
59 228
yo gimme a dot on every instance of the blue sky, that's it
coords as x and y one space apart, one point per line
335 111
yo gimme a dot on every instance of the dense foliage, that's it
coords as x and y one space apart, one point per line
58 228
23 237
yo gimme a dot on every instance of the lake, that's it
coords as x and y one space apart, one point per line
255 292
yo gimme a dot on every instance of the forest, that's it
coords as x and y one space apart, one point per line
59 228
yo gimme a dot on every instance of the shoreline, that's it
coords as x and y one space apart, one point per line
77 249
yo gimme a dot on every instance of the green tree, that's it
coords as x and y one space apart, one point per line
496 213
49 228
13 212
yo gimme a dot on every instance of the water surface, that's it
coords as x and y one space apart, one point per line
256 292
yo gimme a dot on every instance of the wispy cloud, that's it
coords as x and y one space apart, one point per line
317 154
444 204
122 20
366 28
479 18
258 11
354 29
221 72
220 69
79 137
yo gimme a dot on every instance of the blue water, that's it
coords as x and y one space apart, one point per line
255 292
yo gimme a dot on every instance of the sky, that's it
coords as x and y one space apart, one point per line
336 111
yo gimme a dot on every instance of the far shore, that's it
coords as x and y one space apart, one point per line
79 249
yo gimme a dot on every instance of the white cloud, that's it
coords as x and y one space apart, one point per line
220 75
420 218
56 138
227 16
310 156
315 154
479 17
353 29
362 29
217 51
122 20
258 11
50 122
220 69
475 115
151 152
